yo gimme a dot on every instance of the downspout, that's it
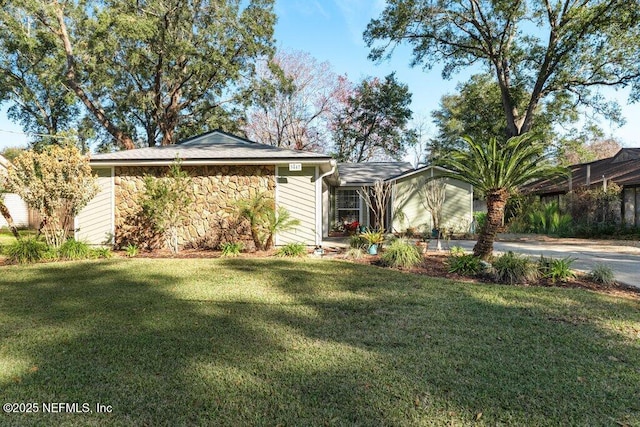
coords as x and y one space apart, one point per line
320 214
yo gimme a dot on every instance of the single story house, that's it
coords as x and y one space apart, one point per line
622 169
14 203
225 169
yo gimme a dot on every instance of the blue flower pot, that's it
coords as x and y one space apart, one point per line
373 249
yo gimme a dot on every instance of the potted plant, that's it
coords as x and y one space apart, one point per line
373 238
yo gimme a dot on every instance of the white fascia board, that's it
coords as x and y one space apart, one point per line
231 162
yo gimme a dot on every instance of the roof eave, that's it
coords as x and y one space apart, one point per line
205 162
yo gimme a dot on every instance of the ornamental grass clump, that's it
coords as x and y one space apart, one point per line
401 254
556 270
602 274
465 265
26 251
231 249
74 250
292 250
512 268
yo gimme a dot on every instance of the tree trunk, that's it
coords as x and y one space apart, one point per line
7 216
496 202
123 139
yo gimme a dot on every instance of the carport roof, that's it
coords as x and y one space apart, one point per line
369 172
623 169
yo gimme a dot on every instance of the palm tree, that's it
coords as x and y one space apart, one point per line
496 170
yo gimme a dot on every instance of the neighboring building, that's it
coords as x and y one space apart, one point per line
17 207
622 169
225 169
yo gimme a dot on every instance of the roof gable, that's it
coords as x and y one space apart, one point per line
626 154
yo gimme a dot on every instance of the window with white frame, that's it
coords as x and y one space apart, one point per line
347 206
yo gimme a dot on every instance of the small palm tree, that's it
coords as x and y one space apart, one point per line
496 170
264 220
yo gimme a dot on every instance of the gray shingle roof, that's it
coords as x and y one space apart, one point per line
215 145
370 172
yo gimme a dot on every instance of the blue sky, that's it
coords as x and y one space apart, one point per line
331 30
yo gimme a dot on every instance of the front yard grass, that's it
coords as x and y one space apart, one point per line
306 342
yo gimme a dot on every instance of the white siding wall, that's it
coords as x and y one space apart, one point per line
94 224
18 210
296 192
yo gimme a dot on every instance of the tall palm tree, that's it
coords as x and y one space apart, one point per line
496 170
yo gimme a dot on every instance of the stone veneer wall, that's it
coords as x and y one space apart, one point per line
214 192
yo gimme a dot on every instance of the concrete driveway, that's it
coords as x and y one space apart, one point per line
622 257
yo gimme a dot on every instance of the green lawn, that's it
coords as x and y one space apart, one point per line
279 342
7 238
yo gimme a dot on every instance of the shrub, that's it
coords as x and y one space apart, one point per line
102 253
231 249
358 241
354 253
56 181
465 264
292 250
481 219
513 268
26 251
166 201
602 274
457 251
131 250
73 249
556 270
401 254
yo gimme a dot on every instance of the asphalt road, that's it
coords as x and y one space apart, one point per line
623 260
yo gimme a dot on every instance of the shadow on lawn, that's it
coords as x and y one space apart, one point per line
517 355
360 345
93 332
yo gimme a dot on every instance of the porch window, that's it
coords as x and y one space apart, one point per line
347 206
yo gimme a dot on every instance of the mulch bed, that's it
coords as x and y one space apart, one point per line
434 265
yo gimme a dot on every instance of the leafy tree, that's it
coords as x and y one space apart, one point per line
165 202
150 71
588 148
475 111
294 101
57 182
31 79
575 47
496 170
373 122
11 153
